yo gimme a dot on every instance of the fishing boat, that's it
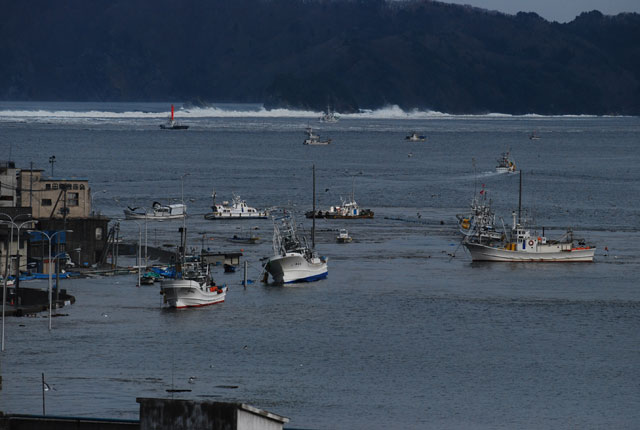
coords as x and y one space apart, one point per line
172 124
505 164
329 116
314 139
193 285
521 244
293 259
158 212
343 236
237 210
415 137
480 221
348 209
534 136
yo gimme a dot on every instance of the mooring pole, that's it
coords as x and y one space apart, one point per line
43 409
246 268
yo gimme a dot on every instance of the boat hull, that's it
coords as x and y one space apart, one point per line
151 217
294 267
487 253
184 293
217 215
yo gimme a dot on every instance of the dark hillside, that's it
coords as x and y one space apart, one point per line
295 53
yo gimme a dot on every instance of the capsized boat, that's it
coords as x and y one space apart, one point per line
237 210
158 212
343 236
521 244
415 137
172 124
314 139
506 163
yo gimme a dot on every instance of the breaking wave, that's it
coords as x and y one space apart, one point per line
34 111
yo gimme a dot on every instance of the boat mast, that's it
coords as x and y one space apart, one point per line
313 228
520 199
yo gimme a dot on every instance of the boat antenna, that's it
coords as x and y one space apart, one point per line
520 199
313 216
475 177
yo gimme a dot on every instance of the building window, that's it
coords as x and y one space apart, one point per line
73 199
99 233
82 186
47 186
54 186
75 186
46 202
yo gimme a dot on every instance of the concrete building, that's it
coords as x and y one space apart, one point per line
8 184
53 197
169 414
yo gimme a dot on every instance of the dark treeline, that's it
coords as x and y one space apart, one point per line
305 54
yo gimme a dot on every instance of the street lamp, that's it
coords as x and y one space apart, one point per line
52 160
139 248
6 267
50 265
92 196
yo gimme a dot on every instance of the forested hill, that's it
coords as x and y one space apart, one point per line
308 53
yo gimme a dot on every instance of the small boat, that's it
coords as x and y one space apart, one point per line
314 139
506 164
172 124
520 244
250 239
193 285
329 116
349 209
158 212
415 137
534 136
237 210
343 236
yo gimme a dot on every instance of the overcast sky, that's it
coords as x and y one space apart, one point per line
555 10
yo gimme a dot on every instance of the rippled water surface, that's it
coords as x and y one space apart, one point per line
405 332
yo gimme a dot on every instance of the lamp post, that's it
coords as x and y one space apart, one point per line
6 267
92 196
52 160
49 237
139 249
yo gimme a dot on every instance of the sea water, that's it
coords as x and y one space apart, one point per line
406 332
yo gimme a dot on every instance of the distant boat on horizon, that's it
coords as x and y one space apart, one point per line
172 124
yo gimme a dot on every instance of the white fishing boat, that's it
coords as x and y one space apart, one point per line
158 212
329 116
348 209
415 137
294 260
237 210
172 124
534 136
506 164
343 236
196 288
314 139
193 285
521 244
